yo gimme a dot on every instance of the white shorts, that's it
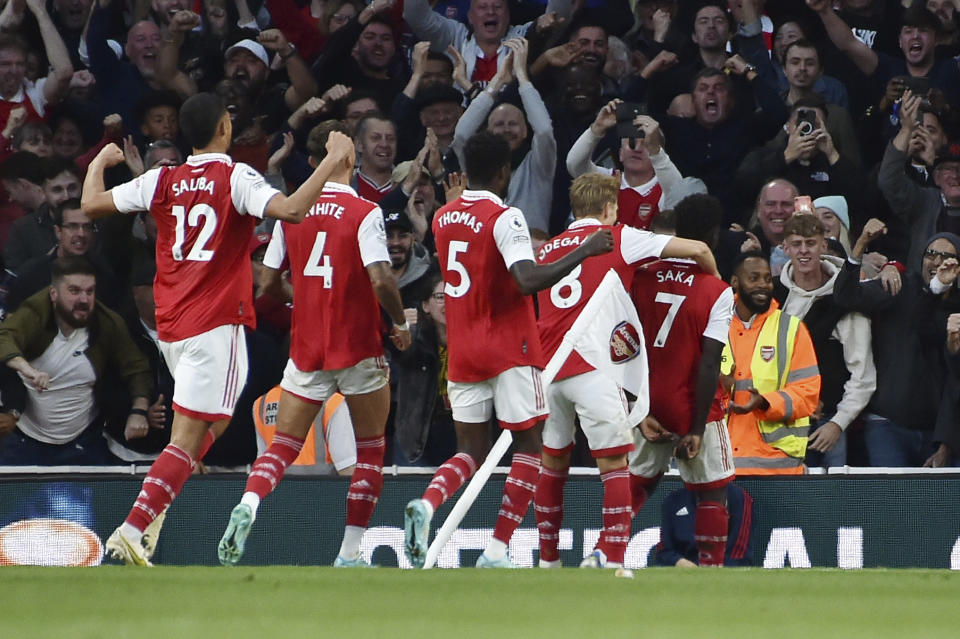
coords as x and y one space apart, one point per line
602 409
516 394
209 371
316 387
712 468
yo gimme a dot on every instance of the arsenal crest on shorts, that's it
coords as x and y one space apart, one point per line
625 343
767 353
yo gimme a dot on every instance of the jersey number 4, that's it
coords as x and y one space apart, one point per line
318 264
198 252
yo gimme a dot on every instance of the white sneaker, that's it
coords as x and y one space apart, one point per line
596 559
550 564
485 562
131 553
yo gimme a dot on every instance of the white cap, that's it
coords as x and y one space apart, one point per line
253 47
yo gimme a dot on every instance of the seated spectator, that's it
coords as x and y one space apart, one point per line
75 236
647 175
534 156
803 153
59 421
841 338
33 234
482 45
423 423
678 546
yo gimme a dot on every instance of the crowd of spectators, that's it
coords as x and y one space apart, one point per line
848 110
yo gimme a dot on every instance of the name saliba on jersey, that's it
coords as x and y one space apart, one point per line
193 184
460 217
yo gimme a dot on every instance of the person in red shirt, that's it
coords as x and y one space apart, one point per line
489 273
205 212
686 315
340 271
578 390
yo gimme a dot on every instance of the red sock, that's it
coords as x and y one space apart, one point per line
449 478
617 514
548 506
710 532
161 486
205 445
517 494
268 469
367 481
640 488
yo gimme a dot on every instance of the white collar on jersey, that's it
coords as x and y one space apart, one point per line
203 158
481 195
339 188
643 189
584 221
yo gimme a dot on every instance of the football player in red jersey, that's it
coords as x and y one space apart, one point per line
341 275
489 273
205 211
686 315
578 390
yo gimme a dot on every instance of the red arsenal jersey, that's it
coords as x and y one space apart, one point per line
491 326
561 304
336 316
679 304
205 210
638 205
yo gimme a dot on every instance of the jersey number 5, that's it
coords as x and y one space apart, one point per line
457 246
675 301
198 252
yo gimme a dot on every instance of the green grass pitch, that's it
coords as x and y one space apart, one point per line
267 602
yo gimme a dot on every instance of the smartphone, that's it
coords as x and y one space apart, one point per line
919 86
626 113
806 121
803 204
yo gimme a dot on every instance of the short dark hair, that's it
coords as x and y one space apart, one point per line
803 43
709 72
29 129
73 204
698 217
23 165
199 117
711 3
587 19
12 41
920 17
52 167
738 261
440 57
485 154
814 101
365 120
803 225
154 99
70 265
317 138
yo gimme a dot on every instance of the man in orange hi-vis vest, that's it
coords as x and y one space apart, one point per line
776 382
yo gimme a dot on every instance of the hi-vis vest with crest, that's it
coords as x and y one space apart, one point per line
770 371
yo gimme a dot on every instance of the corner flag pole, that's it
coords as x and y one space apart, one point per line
503 442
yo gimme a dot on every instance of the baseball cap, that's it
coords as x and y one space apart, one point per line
402 170
950 152
837 204
253 47
258 240
397 219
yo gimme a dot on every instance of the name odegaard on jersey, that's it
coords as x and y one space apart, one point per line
675 276
326 208
573 240
193 184
461 217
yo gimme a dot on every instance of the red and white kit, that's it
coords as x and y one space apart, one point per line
335 336
495 354
205 211
592 396
678 305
